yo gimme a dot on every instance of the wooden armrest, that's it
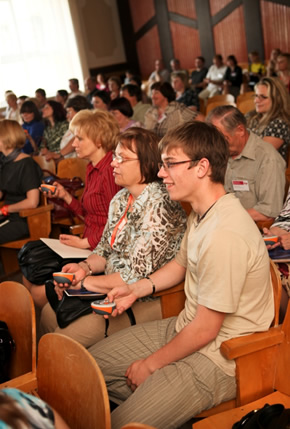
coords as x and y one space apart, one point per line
264 223
169 291
36 211
26 382
77 229
241 346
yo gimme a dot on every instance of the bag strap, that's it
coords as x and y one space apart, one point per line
131 316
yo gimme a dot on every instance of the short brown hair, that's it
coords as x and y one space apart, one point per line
145 144
11 134
200 140
99 126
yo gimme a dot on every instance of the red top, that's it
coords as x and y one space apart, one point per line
99 190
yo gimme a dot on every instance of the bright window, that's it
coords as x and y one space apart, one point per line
38 47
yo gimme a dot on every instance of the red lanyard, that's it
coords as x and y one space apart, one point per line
122 222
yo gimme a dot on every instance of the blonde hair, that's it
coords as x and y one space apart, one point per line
280 107
12 134
99 126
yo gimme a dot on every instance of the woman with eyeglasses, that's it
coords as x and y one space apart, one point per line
143 232
96 134
271 117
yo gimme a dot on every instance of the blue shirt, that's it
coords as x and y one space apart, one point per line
35 129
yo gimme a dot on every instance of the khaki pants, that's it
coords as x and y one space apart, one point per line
90 329
171 395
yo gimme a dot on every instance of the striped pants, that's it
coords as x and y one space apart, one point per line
171 395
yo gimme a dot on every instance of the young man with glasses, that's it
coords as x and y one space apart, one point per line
173 366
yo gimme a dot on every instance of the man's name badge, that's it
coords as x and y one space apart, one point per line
240 185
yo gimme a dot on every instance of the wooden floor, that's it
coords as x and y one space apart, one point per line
228 418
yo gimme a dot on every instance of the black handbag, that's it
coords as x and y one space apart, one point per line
269 417
37 261
69 309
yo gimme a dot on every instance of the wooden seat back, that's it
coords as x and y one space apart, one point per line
70 380
221 98
17 310
72 167
212 105
39 225
45 165
246 105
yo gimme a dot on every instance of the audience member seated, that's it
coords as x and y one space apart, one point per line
283 69
271 119
90 86
96 136
101 99
136 80
61 96
128 75
184 94
40 96
198 75
114 84
281 227
56 126
22 410
143 232
13 111
73 106
233 77
33 126
133 94
74 87
256 171
255 72
174 366
21 99
102 83
160 74
123 112
272 64
214 78
175 67
20 178
166 113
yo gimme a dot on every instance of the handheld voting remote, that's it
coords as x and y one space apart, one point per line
63 277
103 307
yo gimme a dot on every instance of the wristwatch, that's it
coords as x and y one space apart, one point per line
82 284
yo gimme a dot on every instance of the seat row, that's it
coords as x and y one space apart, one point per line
261 363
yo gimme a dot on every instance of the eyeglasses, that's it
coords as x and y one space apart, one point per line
260 96
120 159
167 164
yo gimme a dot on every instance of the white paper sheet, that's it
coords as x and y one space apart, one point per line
66 251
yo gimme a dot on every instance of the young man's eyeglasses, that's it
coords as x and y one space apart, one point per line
120 159
168 164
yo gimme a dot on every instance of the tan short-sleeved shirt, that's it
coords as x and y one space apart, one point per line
227 270
257 177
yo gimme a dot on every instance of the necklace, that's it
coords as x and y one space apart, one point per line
200 218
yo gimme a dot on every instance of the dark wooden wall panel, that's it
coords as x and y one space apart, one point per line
148 48
141 12
217 5
186 44
229 36
276 35
182 7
